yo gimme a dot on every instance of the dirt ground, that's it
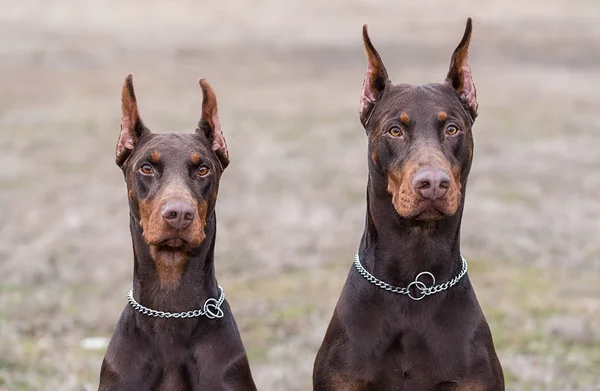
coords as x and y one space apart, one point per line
288 76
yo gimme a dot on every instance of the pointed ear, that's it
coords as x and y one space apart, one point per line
210 124
459 75
375 80
132 127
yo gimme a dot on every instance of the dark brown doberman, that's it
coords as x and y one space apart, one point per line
408 318
178 332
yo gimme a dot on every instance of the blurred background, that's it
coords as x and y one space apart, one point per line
288 75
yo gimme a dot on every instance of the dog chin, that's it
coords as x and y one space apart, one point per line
430 214
174 243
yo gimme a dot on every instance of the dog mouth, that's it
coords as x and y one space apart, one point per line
174 243
175 240
432 210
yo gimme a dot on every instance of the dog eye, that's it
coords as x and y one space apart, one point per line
395 131
203 171
146 169
451 130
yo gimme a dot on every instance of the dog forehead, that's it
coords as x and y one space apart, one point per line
175 144
424 100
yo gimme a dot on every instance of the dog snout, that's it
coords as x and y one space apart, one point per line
431 183
178 214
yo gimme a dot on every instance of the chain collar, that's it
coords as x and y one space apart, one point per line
211 309
423 289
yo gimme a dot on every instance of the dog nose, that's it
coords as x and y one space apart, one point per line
431 183
178 214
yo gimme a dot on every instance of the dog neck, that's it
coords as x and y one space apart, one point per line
395 249
182 285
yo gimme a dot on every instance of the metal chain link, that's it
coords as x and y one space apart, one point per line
211 309
419 285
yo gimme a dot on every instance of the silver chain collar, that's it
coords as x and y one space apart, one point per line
423 289
211 309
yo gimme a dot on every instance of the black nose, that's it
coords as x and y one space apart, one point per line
431 183
178 214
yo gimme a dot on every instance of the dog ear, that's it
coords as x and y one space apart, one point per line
132 127
375 80
210 124
459 75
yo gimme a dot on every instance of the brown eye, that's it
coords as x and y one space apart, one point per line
395 131
203 171
146 169
451 130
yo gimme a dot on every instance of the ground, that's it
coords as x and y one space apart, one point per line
291 206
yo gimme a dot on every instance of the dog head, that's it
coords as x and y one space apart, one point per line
172 178
420 139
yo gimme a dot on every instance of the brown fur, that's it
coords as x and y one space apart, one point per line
170 264
460 57
151 225
375 78
173 263
154 225
471 386
454 195
404 197
129 121
213 199
470 147
459 74
340 383
210 115
379 340
195 158
374 156
405 118
202 208
155 157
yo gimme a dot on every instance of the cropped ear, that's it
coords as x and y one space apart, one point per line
459 75
132 127
210 124
375 80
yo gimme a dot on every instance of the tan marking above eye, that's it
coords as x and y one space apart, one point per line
155 157
442 116
405 118
195 158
